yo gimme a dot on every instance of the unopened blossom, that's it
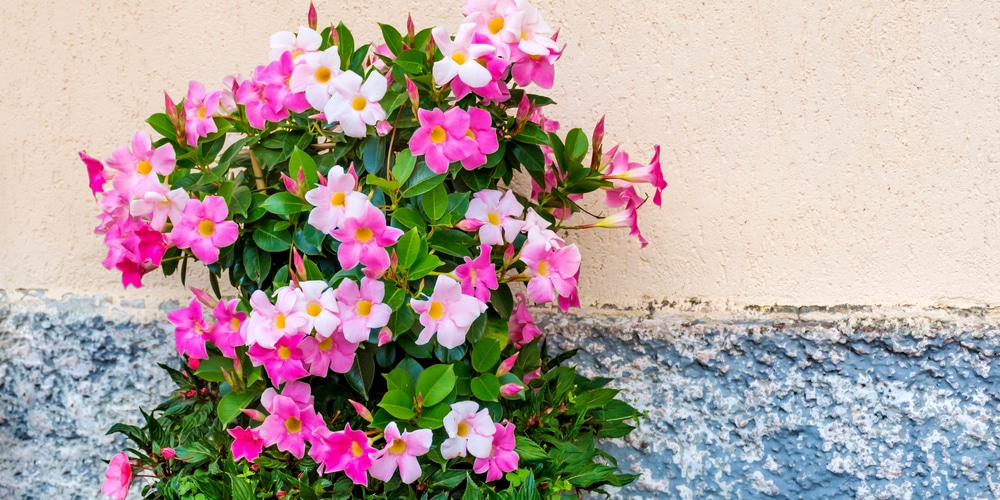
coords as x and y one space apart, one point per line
168 453
308 40
247 443
362 411
331 353
199 109
118 477
355 105
482 132
347 450
443 137
497 212
401 451
335 200
289 426
447 312
190 330
470 431
363 239
507 364
511 390
521 325
553 271
319 304
362 308
478 275
502 457
269 322
204 229
314 74
284 363
628 217
460 57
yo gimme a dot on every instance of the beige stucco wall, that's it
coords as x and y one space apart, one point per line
818 153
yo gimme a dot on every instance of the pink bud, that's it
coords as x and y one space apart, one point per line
334 35
393 260
193 363
510 390
533 375
598 135
382 128
168 453
524 109
312 17
322 180
300 266
508 256
384 336
413 93
204 297
171 108
555 36
506 365
290 185
362 410
255 415
281 494
410 29
470 224
354 173
301 177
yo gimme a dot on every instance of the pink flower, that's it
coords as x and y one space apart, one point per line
460 57
521 325
470 430
538 231
308 40
204 229
168 453
478 276
496 212
401 450
442 138
553 271
288 426
247 443
482 131
319 304
199 108
625 218
346 450
134 248
362 309
534 64
95 172
502 457
226 332
284 362
355 105
138 167
269 322
300 392
276 77
496 90
447 312
335 200
333 353
118 477
313 76
190 330
623 174
363 239
157 205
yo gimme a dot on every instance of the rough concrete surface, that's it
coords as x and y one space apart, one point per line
772 403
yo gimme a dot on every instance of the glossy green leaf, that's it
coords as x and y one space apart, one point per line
398 403
399 380
407 217
408 248
272 236
405 162
435 383
233 403
486 387
424 266
392 38
285 203
435 202
301 161
486 355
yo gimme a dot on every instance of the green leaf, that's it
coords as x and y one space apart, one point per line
346 47
422 181
452 242
242 490
161 124
392 38
399 380
383 184
433 417
362 374
486 387
254 210
472 491
301 161
435 383
502 300
486 355
413 62
233 403
256 263
373 153
435 202
309 239
424 266
405 162
272 236
590 400
399 404
530 156
408 248
532 134
285 203
529 450
576 145
211 369
234 149
407 217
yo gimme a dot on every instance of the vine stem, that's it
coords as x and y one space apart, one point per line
258 174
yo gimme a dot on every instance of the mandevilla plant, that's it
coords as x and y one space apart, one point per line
360 201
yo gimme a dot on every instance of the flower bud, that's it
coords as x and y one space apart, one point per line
410 29
523 110
508 255
171 108
533 375
204 297
384 336
362 410
510 390
598 138
290 185
506 365
168 453
255 415
193 363
469 224
300 266
413 93
311 17
382 128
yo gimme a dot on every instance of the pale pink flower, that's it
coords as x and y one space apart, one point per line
482 131
497 212
502 457
538 231
553 271
314 74
470 430
363 239
521 325
624 218
533 63
226 332
284 362
190 330
495 90
118 477
157 205
623 174
401 450
355 105
199 108
262 105
139 165
269 322
308 40
362 308
335 200
460 57
347 450
247 443
318 305
442 138
333 353
204 229
478 275
447 312
289 426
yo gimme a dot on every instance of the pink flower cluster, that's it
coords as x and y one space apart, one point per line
454 135
138 204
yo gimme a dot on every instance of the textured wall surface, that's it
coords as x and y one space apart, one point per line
797 403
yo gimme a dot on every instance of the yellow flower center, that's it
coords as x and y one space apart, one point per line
436 311
496 25
356 449
472 274
493 218
364 235
470 134
322 74
293 425
463 429
206 228
459 58
202 112
314 309
438 135
543 268
337 200
279 321
397 447
364 308
359 103
235 324
284 353
144 167
326 344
